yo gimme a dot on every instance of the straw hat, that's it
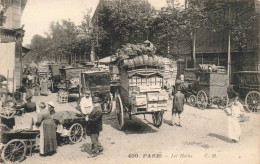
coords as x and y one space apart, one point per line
51 103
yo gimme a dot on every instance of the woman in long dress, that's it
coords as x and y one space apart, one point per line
44 86
48 141
234 130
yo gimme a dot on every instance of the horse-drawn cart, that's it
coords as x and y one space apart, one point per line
141 90
205 88
98 82
247 84
71 75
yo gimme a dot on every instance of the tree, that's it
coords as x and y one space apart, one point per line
121 22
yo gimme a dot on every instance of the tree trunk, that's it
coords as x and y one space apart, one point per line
229 53
194 48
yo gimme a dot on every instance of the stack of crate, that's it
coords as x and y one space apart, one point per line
63 97
156 102
43 70
170 71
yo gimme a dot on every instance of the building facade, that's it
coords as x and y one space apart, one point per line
11 38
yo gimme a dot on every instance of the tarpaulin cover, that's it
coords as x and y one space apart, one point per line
7 63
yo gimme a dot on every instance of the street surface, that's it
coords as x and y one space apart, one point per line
202 138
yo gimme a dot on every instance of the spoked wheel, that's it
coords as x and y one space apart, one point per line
7 112
120 112
14 151
223 103
76 133
192 100
253 101
202 99
108 106
157 119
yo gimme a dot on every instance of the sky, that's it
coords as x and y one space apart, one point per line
38 14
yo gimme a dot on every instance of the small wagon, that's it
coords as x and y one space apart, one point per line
247 84
71 125
141 90
16 143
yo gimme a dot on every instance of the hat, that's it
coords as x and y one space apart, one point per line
87 92
96 99
51 103
28 97
42 104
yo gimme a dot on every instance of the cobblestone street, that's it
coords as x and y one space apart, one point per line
203 137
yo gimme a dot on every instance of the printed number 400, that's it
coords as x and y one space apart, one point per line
132 155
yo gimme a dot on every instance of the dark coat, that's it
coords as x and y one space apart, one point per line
95 120
29 107
178 103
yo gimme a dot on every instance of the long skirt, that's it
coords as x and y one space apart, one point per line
48 141
44 88
234 130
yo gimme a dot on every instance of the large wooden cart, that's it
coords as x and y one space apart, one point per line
71 75
141 90
55 75
205 88
98 82
247 84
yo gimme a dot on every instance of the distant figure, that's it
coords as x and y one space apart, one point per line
233 112
44 86
177 108
61 85
95 126
209 68
30 79
182 77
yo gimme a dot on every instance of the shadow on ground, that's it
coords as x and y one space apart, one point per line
134 126
86 147
219 137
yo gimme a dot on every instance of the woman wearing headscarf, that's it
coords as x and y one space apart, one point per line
48 141
44 86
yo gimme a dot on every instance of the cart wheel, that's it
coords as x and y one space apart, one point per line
157 119
253 101
76 133
108 106
120 112
7 112
14 151
202 99
223 103
192 100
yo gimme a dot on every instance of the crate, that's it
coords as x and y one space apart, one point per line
63 97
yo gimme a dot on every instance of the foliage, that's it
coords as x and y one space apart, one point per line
121 22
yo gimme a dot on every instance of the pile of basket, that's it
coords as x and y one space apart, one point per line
63 97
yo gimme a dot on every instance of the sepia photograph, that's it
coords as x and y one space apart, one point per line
129 81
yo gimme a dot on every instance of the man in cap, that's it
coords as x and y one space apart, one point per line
95 126
86 104
177 107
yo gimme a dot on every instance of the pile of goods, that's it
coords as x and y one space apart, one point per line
63 116
134 55
144 74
